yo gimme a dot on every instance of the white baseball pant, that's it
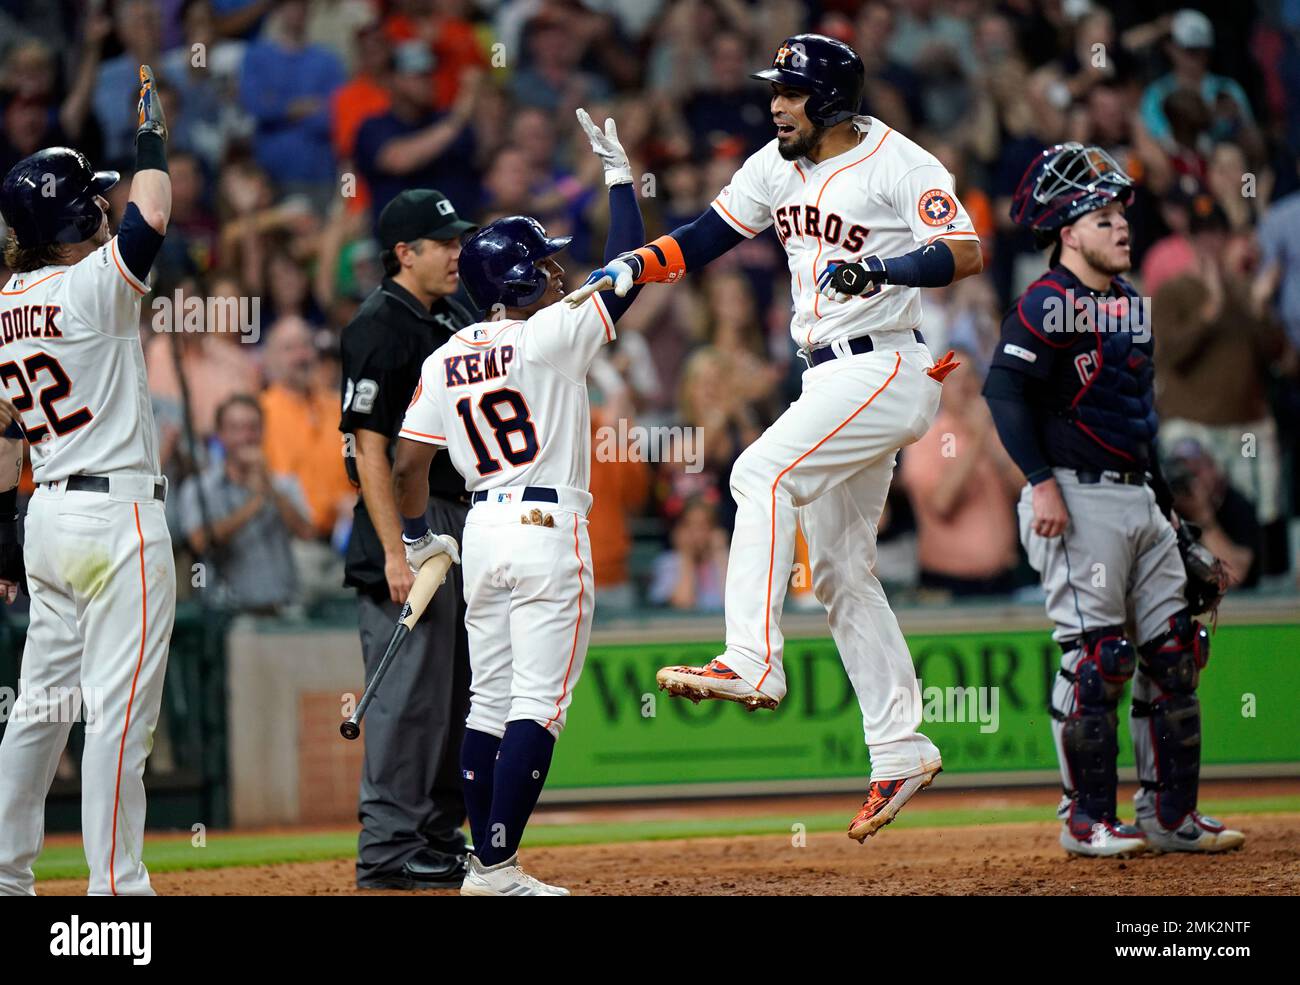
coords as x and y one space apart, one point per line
103 588
826 463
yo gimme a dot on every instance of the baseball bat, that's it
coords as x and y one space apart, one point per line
427 582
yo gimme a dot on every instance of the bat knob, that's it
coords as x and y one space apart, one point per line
349 729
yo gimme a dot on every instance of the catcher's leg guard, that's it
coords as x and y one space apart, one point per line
1166 720
1094 669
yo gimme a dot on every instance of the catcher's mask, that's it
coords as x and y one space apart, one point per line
1065 182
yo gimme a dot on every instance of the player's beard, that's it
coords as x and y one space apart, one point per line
1099 262
802 145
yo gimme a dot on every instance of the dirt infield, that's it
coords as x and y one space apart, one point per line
1019 859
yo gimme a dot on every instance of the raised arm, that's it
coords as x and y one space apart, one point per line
151 188
627 263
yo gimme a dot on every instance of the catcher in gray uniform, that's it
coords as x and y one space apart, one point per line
1072 395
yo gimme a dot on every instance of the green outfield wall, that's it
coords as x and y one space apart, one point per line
622 732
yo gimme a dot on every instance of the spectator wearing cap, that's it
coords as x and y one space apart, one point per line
1191 41
414 145
241 518
1204 496
286 86
411 804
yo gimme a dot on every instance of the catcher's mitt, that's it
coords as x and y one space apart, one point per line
1206 579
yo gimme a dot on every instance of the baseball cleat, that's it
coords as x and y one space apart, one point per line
504 879
885 798
1197 833
714 680
1104 839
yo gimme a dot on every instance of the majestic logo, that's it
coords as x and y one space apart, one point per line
794 54
937 207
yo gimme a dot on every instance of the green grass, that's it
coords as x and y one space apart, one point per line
165 853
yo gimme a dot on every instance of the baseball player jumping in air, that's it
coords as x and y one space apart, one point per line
508 400
867 218
1071 389
97 553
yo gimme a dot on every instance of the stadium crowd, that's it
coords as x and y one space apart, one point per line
294 122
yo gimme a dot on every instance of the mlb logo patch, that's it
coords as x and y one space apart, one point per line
937 207
467 774
504 497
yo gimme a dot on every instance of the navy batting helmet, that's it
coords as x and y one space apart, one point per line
1065 182
829 70
49 197
498 263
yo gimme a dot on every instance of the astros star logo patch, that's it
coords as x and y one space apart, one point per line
937 207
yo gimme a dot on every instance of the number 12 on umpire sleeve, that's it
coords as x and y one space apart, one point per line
516 437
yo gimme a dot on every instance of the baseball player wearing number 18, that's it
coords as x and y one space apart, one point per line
98 556
867 218
508 401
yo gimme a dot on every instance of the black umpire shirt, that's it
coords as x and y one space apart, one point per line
383 348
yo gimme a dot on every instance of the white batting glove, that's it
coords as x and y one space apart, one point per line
608 149
620 274
428 546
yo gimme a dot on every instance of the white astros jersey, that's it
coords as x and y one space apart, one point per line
71 361
885 197
509 399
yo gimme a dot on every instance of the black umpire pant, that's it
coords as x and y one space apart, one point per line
410 781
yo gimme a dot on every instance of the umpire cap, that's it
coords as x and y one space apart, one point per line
829 70
49 197
497 263
1065 182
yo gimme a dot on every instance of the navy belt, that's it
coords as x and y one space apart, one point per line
99 484
1088 477
534 494
859 346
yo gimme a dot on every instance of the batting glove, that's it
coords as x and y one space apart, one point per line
841 281
608 149
149 109
429 546
620 273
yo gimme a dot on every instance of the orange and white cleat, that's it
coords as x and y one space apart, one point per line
714 680
885 798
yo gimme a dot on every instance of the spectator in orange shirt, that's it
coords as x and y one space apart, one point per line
301 432
618 491
963 488
365 95
451 38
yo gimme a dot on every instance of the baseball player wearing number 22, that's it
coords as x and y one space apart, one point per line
97 553
866 218
508 401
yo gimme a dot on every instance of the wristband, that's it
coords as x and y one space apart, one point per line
150 152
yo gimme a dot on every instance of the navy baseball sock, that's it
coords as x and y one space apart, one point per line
521 770
478 757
